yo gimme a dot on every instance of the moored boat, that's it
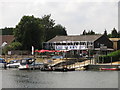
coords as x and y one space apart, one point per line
30 64
13 64
26 63
2 63
112 69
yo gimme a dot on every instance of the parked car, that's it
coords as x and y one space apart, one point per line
13 64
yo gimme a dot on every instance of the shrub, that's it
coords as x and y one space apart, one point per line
115 56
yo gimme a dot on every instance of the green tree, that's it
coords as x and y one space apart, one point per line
105 32
12 46
50 29
114 33
57 30
15 46
48 25
33 31
28 32
84 32
90 32
6 31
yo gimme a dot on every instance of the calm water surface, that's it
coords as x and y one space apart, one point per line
14 78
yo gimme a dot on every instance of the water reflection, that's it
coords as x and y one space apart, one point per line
13 78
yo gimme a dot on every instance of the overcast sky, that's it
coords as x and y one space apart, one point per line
75 15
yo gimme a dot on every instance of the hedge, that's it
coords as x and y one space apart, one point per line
115 56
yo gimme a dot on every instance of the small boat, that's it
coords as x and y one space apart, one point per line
26 64
13 64
46 68
2 63
71 69
30 64
61 69
112 69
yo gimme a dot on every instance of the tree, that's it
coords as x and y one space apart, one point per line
57 30
48 25
28 32
114 33
84 32
105 32
32 31
50 29
6 31
90 32
12 46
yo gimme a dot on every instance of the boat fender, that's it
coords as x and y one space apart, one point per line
26 65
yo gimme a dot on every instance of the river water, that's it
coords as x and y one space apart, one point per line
13 78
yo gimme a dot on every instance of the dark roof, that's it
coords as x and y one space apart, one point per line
75 38
6 38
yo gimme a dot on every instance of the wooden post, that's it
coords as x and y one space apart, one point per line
84 62
111 60
98 60
102 59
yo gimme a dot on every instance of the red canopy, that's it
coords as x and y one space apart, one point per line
42 51
57 51
51 51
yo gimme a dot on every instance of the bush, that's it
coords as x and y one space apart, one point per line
12 46
115 56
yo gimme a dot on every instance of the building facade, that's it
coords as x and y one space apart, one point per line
79 42
116 43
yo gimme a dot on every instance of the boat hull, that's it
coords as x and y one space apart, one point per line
110 69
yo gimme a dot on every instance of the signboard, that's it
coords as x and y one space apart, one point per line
9 52
70 47
103 47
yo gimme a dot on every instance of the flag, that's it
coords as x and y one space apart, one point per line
32 50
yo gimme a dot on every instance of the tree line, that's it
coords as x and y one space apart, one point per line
32 31
114 33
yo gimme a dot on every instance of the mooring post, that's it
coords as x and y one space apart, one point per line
111 60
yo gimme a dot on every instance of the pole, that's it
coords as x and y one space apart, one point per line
111 60
32 50
102 60
98 59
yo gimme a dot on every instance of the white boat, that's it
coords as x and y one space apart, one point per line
2 63
13 64
26 63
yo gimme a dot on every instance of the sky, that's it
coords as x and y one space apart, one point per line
74 15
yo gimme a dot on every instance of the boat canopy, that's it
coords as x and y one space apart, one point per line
2 60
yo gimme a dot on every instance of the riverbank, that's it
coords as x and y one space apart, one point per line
70 63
